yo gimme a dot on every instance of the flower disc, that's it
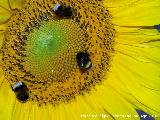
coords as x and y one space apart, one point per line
41 47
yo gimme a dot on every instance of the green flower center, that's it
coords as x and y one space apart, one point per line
50 41
46 41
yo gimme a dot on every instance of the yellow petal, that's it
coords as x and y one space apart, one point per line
135 68
7 8
134 12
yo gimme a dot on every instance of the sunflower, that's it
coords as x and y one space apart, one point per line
79 59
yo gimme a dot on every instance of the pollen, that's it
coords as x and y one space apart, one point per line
43 40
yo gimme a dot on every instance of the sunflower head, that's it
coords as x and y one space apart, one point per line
93 58
57 50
